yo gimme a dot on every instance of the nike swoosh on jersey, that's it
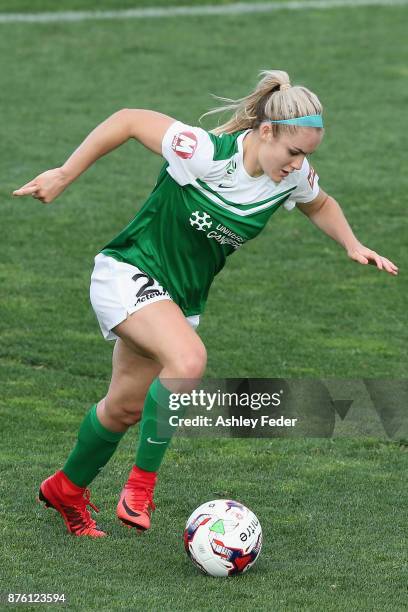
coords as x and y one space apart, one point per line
155 441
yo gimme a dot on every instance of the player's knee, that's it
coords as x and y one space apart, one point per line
191 364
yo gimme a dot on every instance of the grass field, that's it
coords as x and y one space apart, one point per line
289 305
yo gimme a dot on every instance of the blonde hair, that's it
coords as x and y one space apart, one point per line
273 98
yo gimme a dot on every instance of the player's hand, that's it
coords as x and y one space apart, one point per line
365 256
45 187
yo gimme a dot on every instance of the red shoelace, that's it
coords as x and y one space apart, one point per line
140 496
79 517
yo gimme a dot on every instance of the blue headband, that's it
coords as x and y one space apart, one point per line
315 121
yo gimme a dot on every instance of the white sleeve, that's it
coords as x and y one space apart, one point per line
189 152
307 187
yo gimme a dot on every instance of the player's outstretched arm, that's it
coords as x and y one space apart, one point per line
328 216
148 127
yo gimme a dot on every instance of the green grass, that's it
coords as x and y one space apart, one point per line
290 304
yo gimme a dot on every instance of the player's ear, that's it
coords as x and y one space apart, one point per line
265 132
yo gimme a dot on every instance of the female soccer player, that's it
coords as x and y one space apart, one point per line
149 286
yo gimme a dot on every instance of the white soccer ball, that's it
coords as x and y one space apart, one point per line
223 537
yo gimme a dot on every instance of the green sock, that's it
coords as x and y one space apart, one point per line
155 429
94 447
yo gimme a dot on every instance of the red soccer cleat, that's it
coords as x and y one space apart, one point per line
71 502
136 504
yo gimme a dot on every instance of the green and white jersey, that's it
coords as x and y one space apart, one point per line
203 207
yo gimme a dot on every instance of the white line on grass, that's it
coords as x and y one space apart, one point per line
176 11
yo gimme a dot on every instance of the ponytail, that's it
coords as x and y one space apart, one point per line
273 98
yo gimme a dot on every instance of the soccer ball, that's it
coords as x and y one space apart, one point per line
223 538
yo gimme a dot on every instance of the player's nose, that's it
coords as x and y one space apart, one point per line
297 164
